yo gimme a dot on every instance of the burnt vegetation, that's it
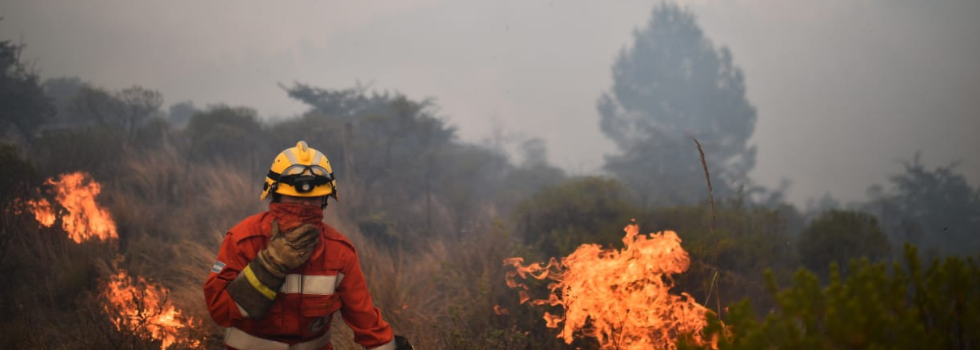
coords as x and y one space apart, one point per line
433 216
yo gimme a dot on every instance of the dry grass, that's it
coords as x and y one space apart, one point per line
171 219
436 294
707 178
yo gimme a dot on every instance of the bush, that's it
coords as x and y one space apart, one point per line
840 236
558 219
874 307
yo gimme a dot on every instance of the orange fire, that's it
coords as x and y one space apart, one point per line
143 308
497 309
84 219
42 211
618 297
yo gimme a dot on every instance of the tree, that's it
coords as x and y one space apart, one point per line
533 174
180 113
937 209
399 165
386 133
62 92
673 85
232 135
25 106
347 104
841 236
127 109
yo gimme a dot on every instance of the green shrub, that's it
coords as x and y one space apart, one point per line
874 307
840 236
559 218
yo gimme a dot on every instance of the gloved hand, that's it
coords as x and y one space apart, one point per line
255 288
402 344
287 251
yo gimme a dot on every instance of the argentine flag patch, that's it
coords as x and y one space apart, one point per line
216 268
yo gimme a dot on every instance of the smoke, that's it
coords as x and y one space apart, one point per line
830 79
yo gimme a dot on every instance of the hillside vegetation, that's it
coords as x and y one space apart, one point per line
434 218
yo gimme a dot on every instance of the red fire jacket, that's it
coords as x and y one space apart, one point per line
331 280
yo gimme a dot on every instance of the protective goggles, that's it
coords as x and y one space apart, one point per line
304 178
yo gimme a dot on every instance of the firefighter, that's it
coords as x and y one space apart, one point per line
282 274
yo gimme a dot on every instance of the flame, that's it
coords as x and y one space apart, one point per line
85 219
619 297
497 309
143 309
42 211
139 307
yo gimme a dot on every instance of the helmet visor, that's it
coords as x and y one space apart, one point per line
312 170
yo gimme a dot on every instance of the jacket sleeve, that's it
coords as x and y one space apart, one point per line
231 260
358 311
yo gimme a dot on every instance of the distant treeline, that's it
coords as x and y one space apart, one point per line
418 199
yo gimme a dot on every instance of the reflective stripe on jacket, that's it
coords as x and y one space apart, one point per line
330 281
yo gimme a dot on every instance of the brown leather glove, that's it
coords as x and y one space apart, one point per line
255 289
287 251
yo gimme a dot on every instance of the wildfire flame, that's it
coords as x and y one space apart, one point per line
142 308
497 309
619 297
84 219
42 211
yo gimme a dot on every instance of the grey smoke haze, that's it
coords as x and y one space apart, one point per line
843 88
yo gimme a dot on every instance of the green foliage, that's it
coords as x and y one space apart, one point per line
840 236
874 307
558 219
726 262
670 86
428 205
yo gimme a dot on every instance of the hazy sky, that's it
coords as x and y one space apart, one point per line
843 88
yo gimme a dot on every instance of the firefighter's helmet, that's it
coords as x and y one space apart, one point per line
300 171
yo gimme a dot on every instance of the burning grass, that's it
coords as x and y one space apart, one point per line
84 219
134 305
440 294
142 307
618 297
